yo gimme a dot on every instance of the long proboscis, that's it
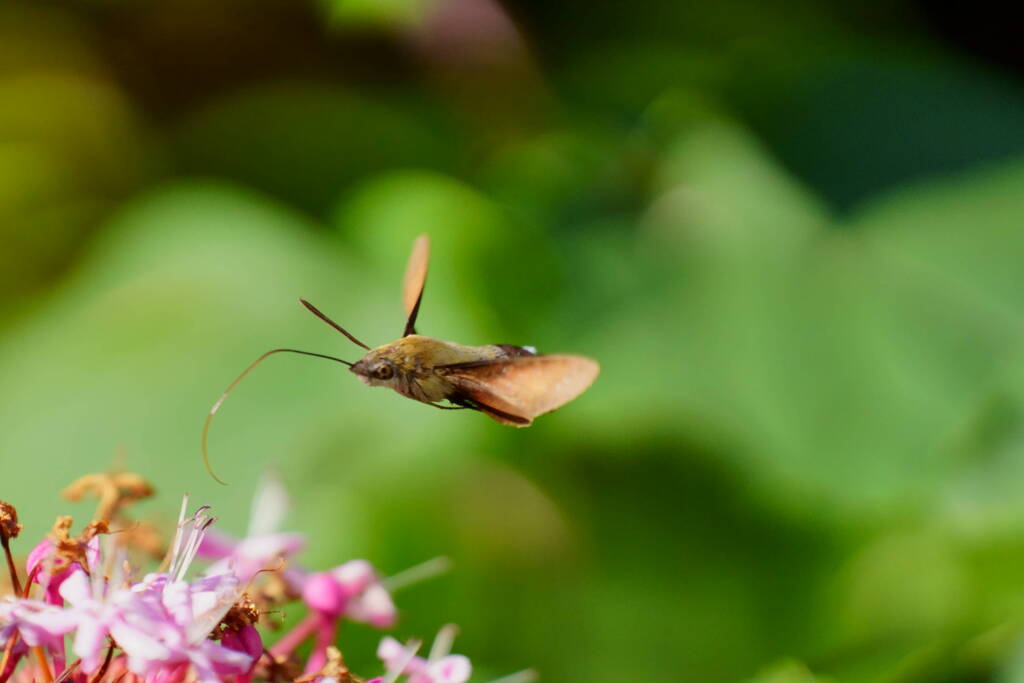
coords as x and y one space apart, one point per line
231 387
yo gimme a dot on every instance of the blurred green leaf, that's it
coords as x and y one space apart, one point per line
375 13
336 135
788 672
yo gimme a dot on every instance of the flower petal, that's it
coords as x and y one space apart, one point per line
354 576
451 669
269 505
216 545
323 593
76 588
140 646
400 658
38 622
373 607
39 554
224 660
89 640
246 640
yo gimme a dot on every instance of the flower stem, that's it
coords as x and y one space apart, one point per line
13 640
8 649
294 638
15 583
327 629
106 664
44 666
67 673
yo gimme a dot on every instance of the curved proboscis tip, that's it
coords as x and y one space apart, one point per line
220 401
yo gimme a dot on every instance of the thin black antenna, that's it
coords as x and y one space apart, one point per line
220 401
316 311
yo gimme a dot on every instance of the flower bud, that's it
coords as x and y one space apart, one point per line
9 527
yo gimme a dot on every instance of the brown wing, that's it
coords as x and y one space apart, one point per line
516 390
415 279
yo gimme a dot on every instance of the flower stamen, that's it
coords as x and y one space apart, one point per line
421 572
524 676
411 648
442 645
187 538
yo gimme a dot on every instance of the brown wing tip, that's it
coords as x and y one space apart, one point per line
420 253
593 366
584 372
588 370
415 273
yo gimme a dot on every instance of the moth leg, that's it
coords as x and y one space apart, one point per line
494 413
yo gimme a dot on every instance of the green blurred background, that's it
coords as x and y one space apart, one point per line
792 233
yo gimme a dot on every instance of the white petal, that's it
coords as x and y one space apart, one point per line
373 606
204 671
76 588
89 642
140 646
355 575
239 662
390 651
269 505
177 599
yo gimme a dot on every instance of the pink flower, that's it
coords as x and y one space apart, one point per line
40 562
161 632
439 667
349 590
263 547
95 606
246 640
37 622
164 622
353 590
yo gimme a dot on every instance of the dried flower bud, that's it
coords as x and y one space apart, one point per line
144 537
279 667
334 668
113 491
9 527
69 550
243 613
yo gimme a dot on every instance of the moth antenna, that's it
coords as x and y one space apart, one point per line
316 311
231 387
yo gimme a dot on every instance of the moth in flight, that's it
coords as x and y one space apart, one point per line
510 384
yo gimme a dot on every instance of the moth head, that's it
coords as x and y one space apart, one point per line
376 370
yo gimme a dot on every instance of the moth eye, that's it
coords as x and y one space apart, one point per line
383 372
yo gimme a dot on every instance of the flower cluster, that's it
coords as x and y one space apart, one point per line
84 592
